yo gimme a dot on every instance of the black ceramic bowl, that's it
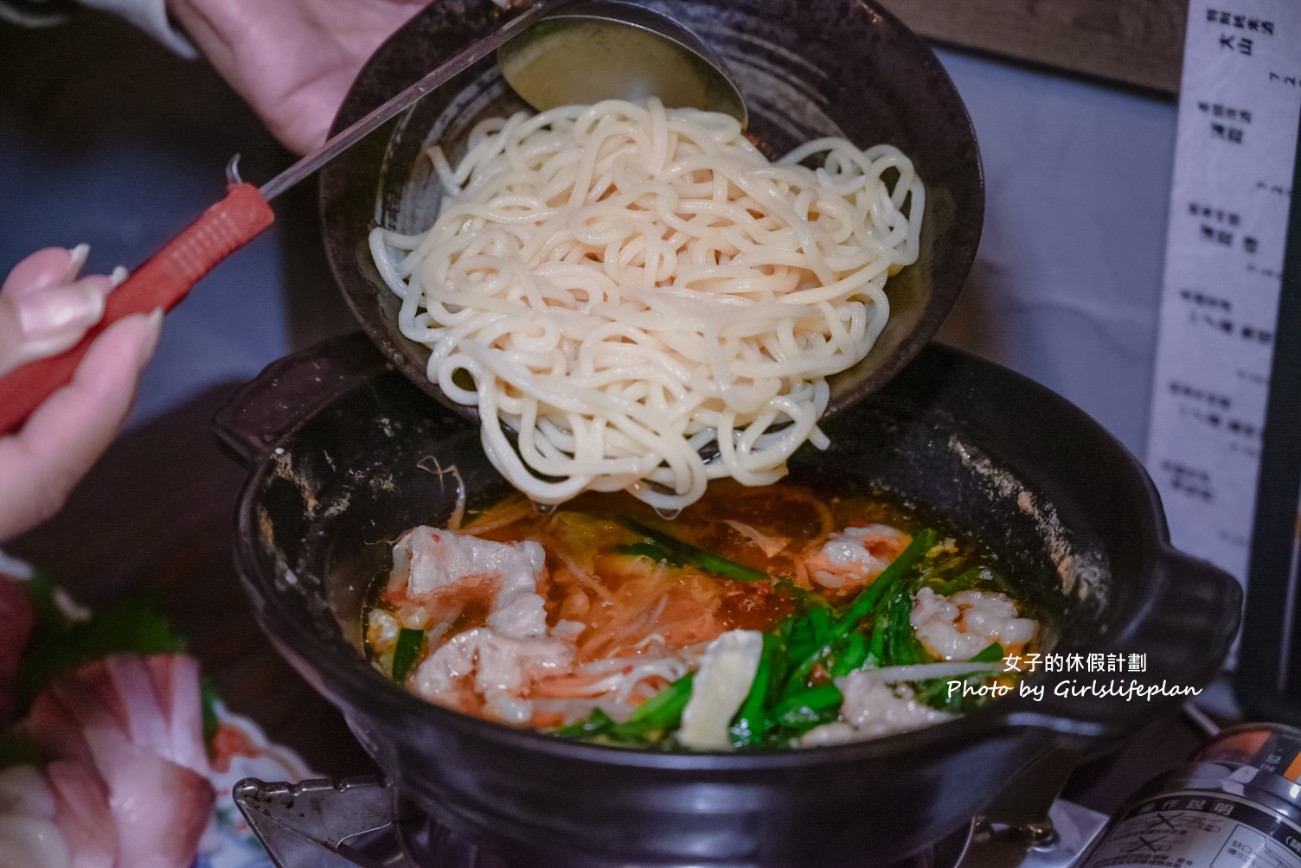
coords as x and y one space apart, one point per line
806 69
341 450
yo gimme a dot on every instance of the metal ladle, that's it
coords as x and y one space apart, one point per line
561 43
639 53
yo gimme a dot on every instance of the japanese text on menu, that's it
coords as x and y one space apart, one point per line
1235 147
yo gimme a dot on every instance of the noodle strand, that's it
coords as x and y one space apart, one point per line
628 286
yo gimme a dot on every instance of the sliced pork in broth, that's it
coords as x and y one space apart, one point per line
759 618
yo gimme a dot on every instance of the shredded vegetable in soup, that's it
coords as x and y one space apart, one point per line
759 618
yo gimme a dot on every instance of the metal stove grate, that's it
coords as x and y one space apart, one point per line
361 822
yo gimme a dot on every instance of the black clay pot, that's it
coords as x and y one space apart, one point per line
806 69
342 454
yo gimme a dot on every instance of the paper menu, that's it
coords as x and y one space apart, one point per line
1235 147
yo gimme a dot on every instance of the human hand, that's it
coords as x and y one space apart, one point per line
292 60
45 309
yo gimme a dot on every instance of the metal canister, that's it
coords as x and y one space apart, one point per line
1237 805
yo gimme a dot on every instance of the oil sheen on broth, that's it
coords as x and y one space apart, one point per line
760 618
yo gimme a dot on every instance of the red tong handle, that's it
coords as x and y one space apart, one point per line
162 282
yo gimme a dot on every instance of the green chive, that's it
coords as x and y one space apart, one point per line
597 722
899 567
989 654
708 561
406 652
662 709
650 550
902 645
750 724
853 656
660 713
863 605
820 621
811 706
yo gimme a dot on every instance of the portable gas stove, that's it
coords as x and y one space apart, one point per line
364 822
1235 804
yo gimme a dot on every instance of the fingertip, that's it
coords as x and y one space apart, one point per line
87 412
61 314
56 266
102 282
125 346
43 268
153 331
106 376
72 428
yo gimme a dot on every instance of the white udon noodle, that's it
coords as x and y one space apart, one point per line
626 285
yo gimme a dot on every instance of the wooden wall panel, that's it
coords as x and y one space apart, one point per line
1137 42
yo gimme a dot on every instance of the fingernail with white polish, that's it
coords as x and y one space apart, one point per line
117 275
76 259
60 309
